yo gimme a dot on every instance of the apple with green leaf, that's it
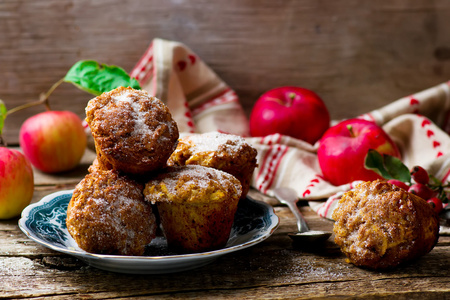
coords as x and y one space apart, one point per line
292 111
343 149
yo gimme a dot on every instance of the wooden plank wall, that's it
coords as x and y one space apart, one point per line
357 55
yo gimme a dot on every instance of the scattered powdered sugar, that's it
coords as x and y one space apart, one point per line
354 240
16 266
122 203
294 267
211 141
124 97
100 201
198 176
140 128
112 213
147 116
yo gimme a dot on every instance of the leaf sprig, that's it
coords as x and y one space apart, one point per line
387 166
95 78
390 167
87 75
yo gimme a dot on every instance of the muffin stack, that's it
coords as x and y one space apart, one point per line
111 208
229 153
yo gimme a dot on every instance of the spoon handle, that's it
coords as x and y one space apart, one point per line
286 196
301 223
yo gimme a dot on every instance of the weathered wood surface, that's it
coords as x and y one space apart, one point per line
358 55
275 268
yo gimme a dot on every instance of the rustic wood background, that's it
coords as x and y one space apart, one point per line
357 55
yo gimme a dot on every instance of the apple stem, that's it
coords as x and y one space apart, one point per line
350 129
43 99
291 97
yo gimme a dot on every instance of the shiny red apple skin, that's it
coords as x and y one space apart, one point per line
16 183
53 141
341 154
292 111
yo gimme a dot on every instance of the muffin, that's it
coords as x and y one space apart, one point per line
108 215
132 131
196 206
226 152
379 225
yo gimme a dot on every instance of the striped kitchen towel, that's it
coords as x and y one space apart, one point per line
197 98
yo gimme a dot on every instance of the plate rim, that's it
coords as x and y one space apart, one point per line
86 255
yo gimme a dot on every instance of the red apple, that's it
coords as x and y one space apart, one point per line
53 141
343 149
16 183
292 111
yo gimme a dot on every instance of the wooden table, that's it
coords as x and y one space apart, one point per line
274 268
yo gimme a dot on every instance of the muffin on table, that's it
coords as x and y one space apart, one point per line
133 131
379 225
108 215
196 206
226 152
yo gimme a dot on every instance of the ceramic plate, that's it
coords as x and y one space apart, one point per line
45 223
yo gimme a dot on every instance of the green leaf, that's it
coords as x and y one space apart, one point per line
396 168
387 166
374 162
3 112
95 78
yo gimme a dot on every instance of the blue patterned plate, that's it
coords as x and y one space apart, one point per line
45 223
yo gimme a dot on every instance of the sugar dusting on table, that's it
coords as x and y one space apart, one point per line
16 266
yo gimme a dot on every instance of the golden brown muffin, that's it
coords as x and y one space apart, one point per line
226 152
196 205
133 131
108 215
379 225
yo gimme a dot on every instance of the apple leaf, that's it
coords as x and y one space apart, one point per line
95 78
389 167
3 112
374 162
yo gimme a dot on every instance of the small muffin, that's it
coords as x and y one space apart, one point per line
226 152
196 206
108 215
132 131
379 225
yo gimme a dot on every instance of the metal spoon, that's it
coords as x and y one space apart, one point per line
289 197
